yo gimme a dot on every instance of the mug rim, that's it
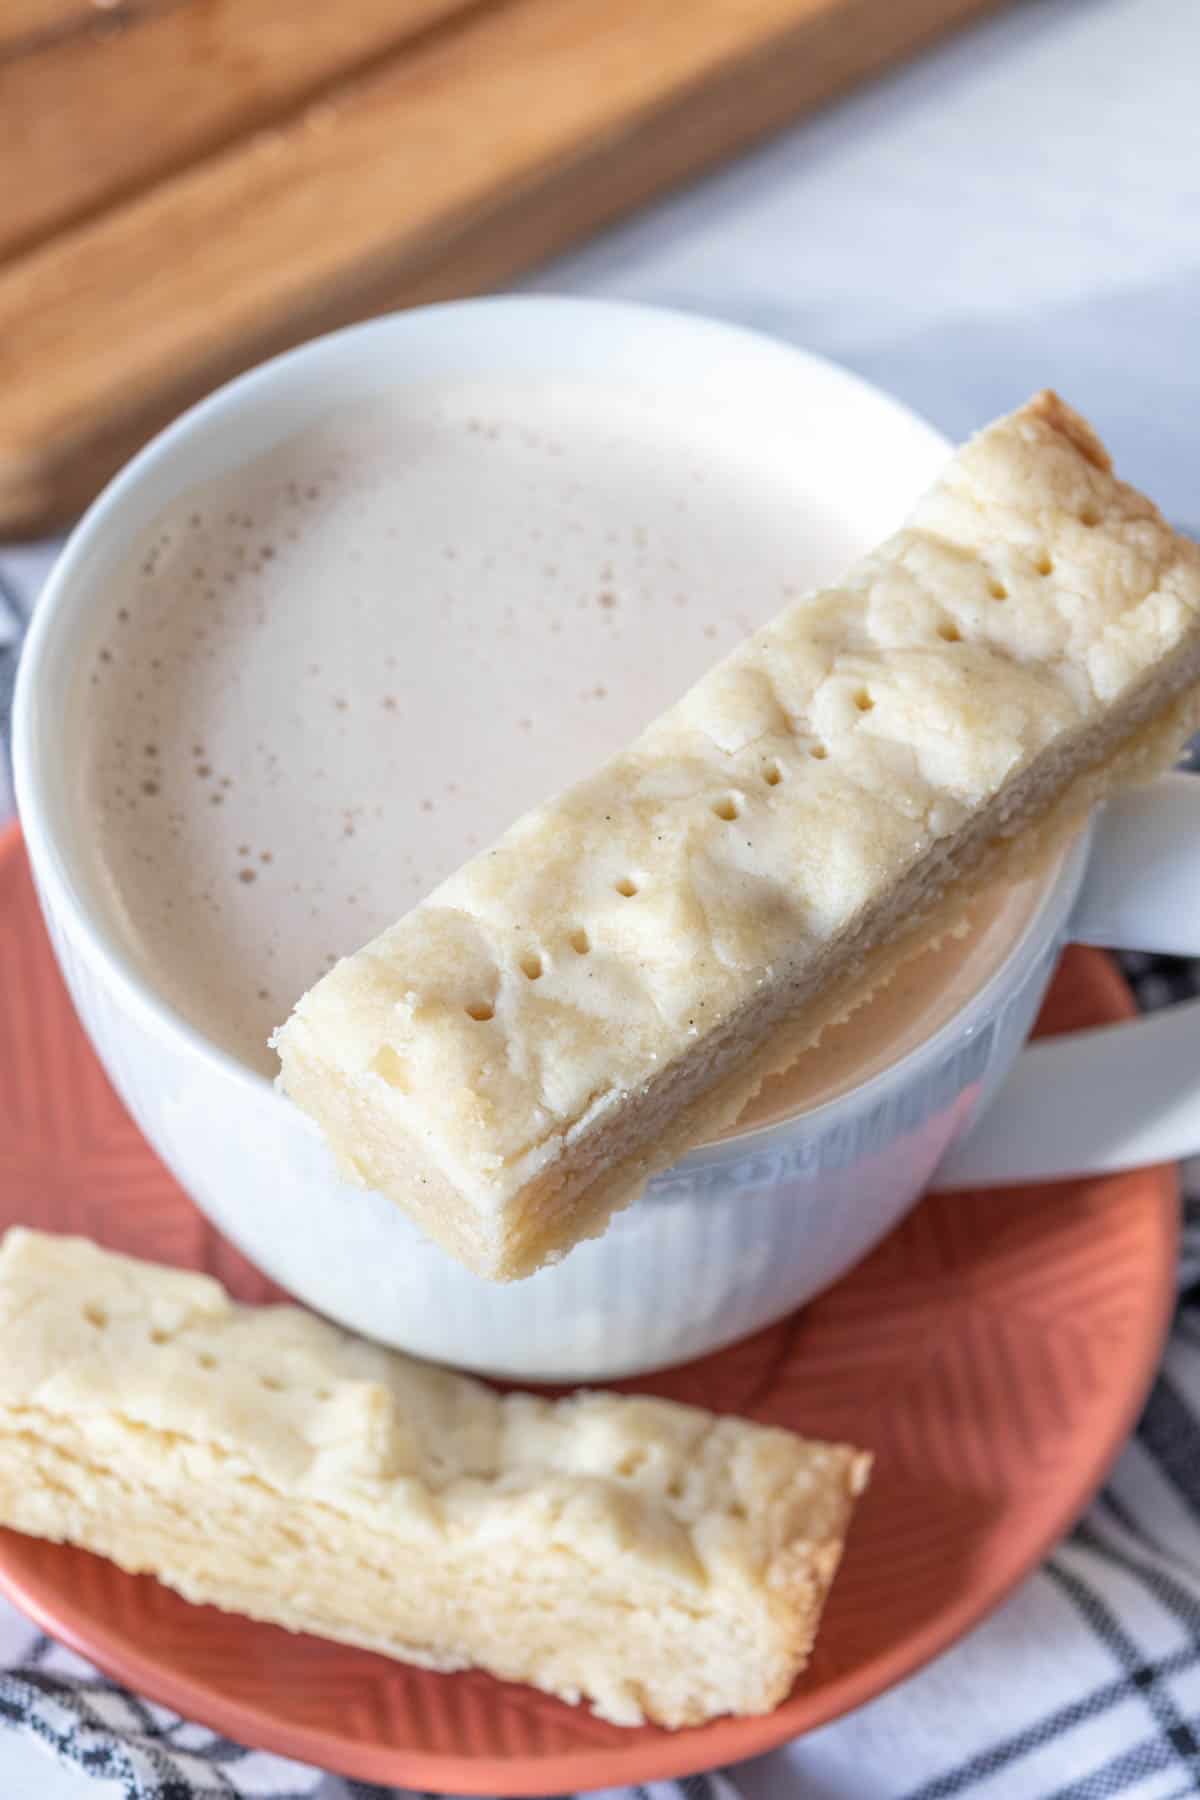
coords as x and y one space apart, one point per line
132 989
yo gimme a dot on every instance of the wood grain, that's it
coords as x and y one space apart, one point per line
479 151
178 81
29 25
26 23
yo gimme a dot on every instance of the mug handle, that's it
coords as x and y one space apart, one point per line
1092 1102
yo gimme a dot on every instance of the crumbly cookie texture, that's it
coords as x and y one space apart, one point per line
654 1559
614 979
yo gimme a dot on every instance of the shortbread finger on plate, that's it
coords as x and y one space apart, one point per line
613 980
656 1560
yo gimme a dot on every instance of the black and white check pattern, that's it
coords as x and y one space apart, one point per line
1085 1685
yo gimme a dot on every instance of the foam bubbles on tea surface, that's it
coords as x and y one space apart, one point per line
331 676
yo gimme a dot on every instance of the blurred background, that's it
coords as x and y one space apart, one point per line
977 198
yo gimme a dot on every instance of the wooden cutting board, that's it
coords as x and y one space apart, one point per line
190 185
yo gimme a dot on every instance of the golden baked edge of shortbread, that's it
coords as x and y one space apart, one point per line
657 1560
345 1062
992 670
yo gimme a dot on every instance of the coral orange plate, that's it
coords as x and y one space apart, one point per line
993 1352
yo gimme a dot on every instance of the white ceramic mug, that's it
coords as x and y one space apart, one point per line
739 1233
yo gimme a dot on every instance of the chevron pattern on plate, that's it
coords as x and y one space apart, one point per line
993 1352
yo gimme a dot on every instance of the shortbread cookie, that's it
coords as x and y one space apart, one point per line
615 978
654 1559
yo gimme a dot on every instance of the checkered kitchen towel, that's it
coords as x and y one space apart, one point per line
1085 1685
